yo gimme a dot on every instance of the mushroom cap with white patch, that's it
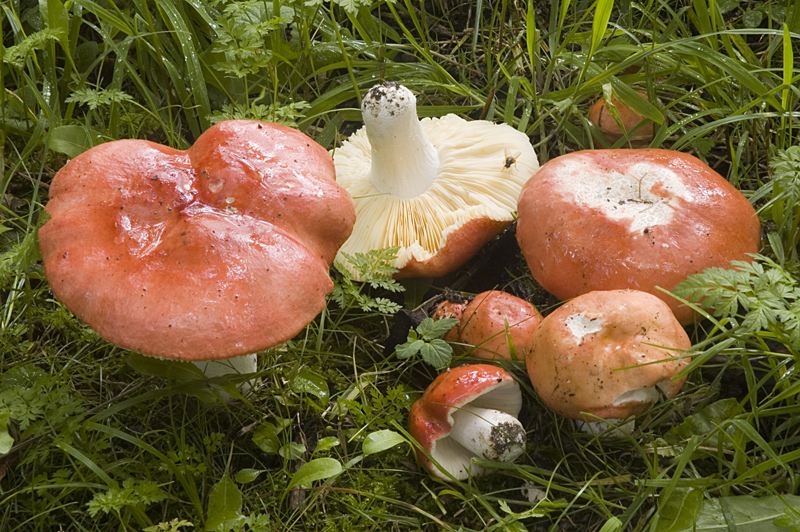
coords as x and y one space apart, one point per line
485 398
611 354
641 219
439 188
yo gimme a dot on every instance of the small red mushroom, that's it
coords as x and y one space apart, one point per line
641 219
610 354
466 412
216 251
629 121
493 322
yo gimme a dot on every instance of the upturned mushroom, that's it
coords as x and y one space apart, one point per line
631 124
641 219
610 354
466 412
439 188
217 251
495 323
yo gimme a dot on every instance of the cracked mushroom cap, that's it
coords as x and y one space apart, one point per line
216 251
492 322
608 354
640 219
466 412
439 188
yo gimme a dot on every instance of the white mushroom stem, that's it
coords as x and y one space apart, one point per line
404 162
488 433
231 366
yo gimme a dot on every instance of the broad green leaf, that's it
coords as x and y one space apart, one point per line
430 329
415 290
6 441
708 419
247 475
437 353
307 381
680 511
71 140
167 369
326 444
381 440
742 513
224 506
292 451
409 349
790 519
317 469
602 14
266 435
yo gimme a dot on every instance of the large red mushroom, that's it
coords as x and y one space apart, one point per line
216 251
641 219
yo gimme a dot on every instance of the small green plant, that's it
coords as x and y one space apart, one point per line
375 269
784 206
426 340
757 296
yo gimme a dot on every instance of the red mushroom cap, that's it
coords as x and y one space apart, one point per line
576 357
431 418
216 251
602 118
641 219
483 322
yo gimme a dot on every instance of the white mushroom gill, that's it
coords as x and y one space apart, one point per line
414 182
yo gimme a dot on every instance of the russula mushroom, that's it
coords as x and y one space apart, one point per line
611 354
492 322
439 188
629 121
204 254
641 219
466 412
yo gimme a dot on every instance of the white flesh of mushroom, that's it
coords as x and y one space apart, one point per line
645 196
504 399
579 325
231 366
489 433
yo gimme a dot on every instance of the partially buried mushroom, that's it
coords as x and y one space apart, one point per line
495 323
204 254
467 412
439 188
610 354
641 219
631 125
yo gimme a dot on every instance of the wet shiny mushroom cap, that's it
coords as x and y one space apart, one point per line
640 219
492 322
611 354
216 251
